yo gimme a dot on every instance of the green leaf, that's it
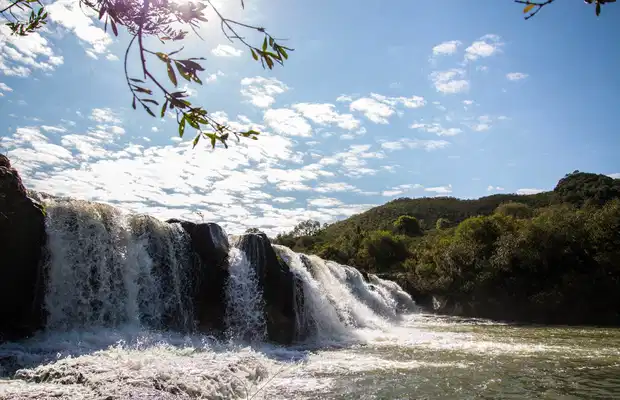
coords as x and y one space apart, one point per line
283 52
193 123
528 8
133 103
269 62
195 141
148 110
150 101
162 56
271 41
171 75
265 44
163 109
598 9
114 28
213 138
182 126
254 55
191 65
136 80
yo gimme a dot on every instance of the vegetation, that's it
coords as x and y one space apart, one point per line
552 257
169 22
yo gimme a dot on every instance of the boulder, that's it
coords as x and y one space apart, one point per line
210 243
22 240
278 285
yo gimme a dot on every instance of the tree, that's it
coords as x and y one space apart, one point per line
168 22
408 225
533 7
252 230
306 228
514 209
442 223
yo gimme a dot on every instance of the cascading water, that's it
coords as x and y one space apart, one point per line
245 318
108 269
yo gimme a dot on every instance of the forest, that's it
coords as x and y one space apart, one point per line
552 257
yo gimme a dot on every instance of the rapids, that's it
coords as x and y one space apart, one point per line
120 326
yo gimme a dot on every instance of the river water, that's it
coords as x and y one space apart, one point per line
118 299
423 357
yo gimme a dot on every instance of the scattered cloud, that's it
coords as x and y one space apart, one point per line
104 115
486 46
224 50
614 175
324 202
447 48
516 76
287 122
283 200
19 55
261 91
4 87
492 188
325 114
79 20
400 189
529 191
378 108
450 81
428 145
439 190
436 128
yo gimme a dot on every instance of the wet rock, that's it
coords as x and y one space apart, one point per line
278 284
22 239
210 243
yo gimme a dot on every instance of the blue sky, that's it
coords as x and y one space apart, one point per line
415 99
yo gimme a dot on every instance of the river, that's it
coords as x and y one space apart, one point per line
423 357
114 323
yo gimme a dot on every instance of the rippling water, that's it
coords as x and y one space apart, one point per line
424 357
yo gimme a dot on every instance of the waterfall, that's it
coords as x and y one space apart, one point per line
106 269
245 318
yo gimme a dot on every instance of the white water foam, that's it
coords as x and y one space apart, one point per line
245 319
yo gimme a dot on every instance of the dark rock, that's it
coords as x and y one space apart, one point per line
278 284
22 239
210 243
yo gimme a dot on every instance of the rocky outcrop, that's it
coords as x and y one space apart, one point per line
210 243
278 285
22 239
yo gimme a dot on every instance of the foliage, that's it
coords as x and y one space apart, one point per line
514 209
168 22
408 225
552 257
533 7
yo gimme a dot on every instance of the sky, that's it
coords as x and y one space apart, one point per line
376 102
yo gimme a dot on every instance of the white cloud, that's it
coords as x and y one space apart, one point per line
450 81
446 48
492 188
400 189
154 129
287 122
486 46
440 189
482 123
283 199
325 114
104 115
378 108
19 55
224 50
529 191
57 129
427 145
516 76
5 87
436 128
79 20
262 91
468 102
614 175
333 187
324 202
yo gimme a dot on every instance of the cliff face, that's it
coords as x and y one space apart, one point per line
23 265
22 239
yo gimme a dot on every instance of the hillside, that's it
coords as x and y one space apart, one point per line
553 257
